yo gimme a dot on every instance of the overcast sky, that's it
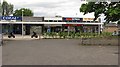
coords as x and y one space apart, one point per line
66 8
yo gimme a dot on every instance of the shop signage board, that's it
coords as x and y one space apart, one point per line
73 19
10 18
89 19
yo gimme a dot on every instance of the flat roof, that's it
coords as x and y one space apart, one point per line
50 23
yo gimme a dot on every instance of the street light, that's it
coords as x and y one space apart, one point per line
22 22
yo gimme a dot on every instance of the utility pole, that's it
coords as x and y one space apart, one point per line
22 23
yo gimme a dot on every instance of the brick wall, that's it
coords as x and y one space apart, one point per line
111 29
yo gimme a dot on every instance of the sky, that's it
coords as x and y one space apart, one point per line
65 8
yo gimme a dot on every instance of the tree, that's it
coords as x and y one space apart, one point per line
0 9
111 10
26 12
7 9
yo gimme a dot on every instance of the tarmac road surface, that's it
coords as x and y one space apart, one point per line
57 52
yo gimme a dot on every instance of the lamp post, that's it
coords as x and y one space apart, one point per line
22 23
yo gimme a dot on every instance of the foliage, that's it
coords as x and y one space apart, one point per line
72 35
7 9
26 12
65 34
104 34
60 34
77 35
110 10
118 23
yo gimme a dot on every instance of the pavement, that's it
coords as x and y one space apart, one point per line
57 52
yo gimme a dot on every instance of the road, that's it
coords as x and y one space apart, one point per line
57 52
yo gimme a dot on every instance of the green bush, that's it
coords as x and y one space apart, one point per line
106 34
60 34
65 34
77 35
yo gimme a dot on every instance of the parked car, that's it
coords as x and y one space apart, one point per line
115 33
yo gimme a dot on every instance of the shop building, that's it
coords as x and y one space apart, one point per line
51 24
111 27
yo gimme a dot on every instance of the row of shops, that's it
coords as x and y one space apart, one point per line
50 24
41 28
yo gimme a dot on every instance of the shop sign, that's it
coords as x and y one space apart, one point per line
89 19
10 18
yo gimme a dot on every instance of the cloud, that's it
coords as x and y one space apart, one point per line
50 7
